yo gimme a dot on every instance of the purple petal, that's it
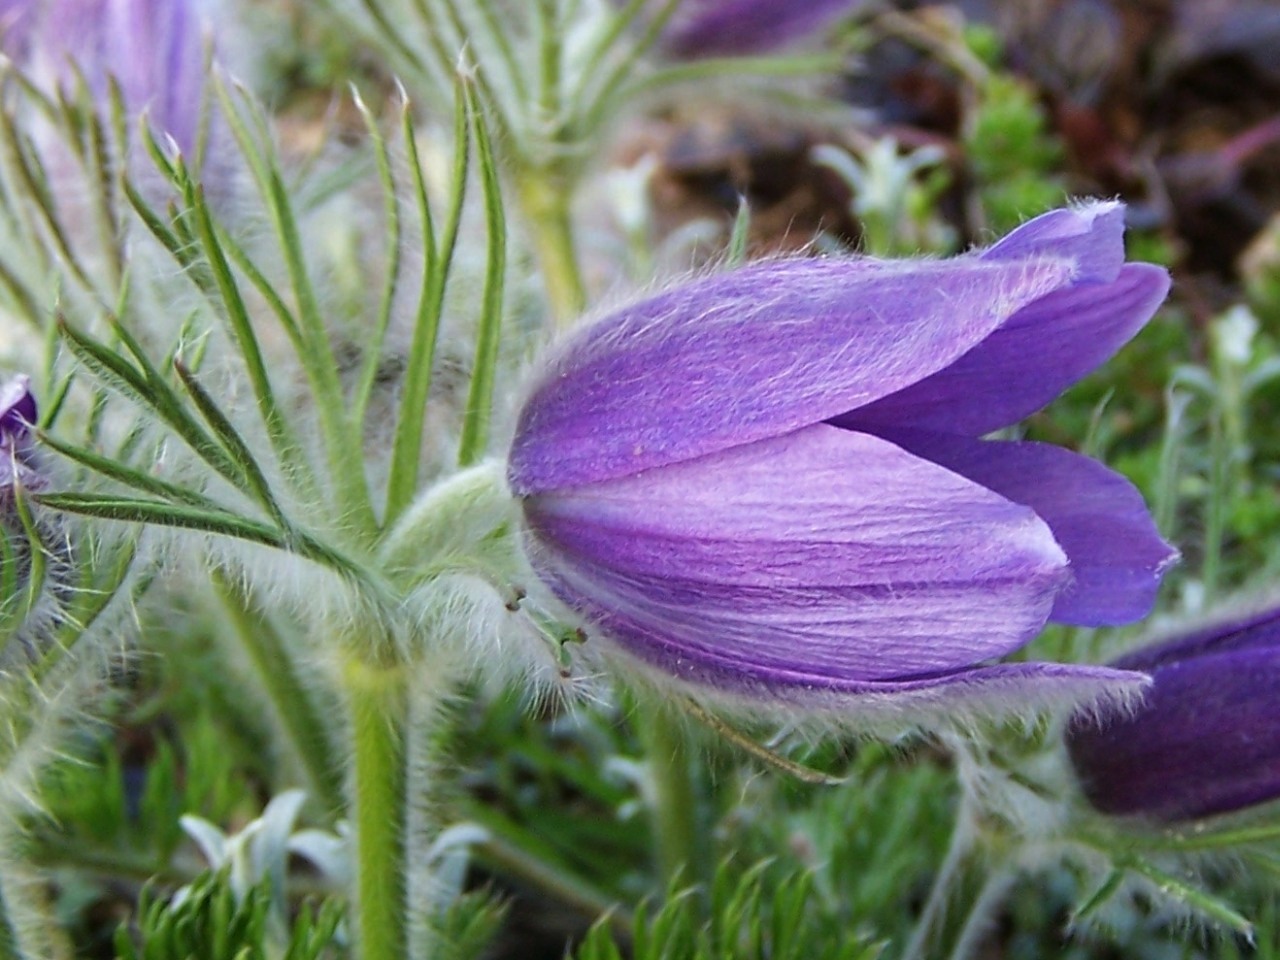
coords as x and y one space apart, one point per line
17 407
1097 516
1206 741
755 353
154 49
1000 688
1091 233
1255 630
1043 349
15 25
705 28
820 557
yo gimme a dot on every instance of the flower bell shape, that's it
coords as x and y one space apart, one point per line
153 48
704 28
771 481
1206 738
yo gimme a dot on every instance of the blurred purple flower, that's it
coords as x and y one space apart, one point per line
1206 739
17 415
707 28
15 22
154 49
770 480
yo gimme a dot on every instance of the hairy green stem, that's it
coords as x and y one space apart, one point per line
969 886
8 936
545 199
682 838
378 703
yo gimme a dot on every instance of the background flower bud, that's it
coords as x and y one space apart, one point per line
153 48
1205 740
705 28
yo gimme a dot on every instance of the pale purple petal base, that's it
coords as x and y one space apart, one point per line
1206 741
822 553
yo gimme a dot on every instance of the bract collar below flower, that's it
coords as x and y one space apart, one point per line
771 480
1206 739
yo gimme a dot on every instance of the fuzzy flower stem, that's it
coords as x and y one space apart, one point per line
968 887
545 198
681 839
288 694
378 703
8 936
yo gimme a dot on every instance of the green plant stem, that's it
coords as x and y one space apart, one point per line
969 885
682 840
378 702
8 936
557 882
289 696
545 199
1216 510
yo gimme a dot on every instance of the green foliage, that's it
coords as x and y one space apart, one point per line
563 788
467 926
1011 153
208 924
867 843
103 808
762 913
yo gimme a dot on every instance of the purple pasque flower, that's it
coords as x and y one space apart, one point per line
1205 740
771 481
705 28
15 21
153 48
17 415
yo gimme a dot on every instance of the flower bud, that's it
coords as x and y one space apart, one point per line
771 481
154 49
1206 739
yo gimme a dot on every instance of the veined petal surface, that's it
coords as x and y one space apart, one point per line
1044 348
1091 233
990 689
1097 516
821 556
755 353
